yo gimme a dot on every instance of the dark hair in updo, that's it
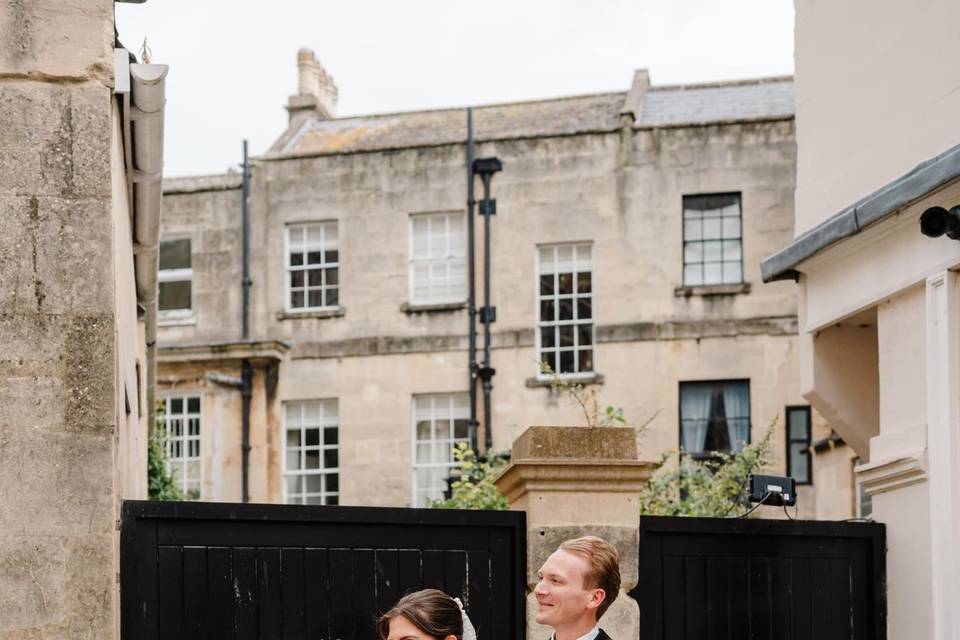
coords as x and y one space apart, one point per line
430 610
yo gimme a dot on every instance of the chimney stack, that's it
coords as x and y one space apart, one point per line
316 92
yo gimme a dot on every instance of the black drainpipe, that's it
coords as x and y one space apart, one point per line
471 288
246 367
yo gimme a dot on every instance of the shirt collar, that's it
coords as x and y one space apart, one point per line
589 635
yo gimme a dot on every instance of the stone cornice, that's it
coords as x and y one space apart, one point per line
240 350
894 473
581 476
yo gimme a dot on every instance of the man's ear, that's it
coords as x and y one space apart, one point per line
451 637
597 596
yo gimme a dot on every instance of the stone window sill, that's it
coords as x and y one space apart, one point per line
446 307
176 320
712 290
321 314
538 382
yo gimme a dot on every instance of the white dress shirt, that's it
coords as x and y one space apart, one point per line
589 635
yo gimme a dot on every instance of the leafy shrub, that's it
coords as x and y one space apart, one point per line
475 488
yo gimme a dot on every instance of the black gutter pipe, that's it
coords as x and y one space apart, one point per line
471 288
246 367
485 168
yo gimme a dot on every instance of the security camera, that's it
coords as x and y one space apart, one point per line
937 221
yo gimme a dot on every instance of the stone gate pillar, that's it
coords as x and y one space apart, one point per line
572 482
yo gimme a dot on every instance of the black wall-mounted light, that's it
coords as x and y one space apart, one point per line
937 221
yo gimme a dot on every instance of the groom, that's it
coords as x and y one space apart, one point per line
578 583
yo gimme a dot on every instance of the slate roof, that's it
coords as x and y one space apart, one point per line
767 98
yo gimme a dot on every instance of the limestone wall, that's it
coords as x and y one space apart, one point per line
59 324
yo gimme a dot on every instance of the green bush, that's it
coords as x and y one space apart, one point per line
475 488
712 487
160 484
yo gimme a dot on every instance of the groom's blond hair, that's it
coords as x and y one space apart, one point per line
603 567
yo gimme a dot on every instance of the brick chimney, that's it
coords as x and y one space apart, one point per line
316 92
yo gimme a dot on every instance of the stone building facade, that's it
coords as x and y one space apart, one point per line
79 226
625 251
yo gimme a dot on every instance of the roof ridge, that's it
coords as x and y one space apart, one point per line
476 107
722 83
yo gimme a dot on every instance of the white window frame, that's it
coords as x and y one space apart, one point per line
288 268
721 240
177 275
453 413
581 375
449 260
170 439
329 417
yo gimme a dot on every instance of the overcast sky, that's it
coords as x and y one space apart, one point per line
233 63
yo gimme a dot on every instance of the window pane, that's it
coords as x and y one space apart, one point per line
296 259
799 457
583 282
548 337
296 299
693 274
314 257
711 228
692 229
330 436
311 460
296 278
333 297
316 298
712 252
549 358
586 334
566 335
799 424
712 273
585 360
546 311
176 405
693 252
175 254
584 308
731 250
566 310
566 362
312 437
296 235
193 404
174 296
330 459
565 283
732 272
731 227
293 485
314 483
333 481
293 438
332 256
546 285
314 278
460 429
332 276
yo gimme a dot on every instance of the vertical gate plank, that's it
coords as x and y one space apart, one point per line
802 589
317 590
820 577
695 593
781 599
718 605
195 608
220 592
245 593
650 596
674 620
342 622
859 598
739 598
455 574
502 573
147 581
408 570
268 594
840 614
364 594
171 592
388 581
292 601
759 594
432 567
478 594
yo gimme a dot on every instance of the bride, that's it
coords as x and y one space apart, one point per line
429 614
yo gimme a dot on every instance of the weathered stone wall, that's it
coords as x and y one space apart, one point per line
58 326
624 194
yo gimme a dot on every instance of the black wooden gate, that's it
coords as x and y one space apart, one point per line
708 578
203 570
